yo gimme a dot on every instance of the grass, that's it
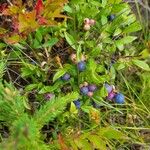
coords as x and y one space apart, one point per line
131 118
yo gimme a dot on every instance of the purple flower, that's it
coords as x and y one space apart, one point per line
49 96
66 77
109 88
111 95
81 65
84 90
92 88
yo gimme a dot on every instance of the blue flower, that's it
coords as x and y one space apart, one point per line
84 90
81 65
66 77
77 103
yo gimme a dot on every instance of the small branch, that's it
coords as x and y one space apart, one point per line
10 2
46 52
140 2
144 6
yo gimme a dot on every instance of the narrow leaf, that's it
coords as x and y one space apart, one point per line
58 74
70 40
51 42
142 64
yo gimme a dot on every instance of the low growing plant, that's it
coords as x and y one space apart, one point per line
63 80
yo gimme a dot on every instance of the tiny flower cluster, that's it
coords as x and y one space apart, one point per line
85 89
73 58
88 23
49 96
88 89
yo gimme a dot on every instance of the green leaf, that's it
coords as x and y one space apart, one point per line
119 45
28 70
112 73
95 3
97 142
36 44
103 19
94 52
2 45
117 32
145 53
111 133
47 89
73 108
104 2
92 65
100 68
58 74
50 42
132 27
71 41
127 39
142 64
119 7
85 144
86 109
38 36
68 8
120 66
71 69
114 1
129 20
31 87
103 92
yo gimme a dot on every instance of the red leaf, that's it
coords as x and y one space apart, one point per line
12 39
62 142
3 7
39 7
42 21
15 24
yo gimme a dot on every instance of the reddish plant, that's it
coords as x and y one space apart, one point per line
24 21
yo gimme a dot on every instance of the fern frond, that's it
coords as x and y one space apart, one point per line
11 103
53 108
24 136
2 68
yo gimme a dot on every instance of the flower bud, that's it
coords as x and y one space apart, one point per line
85 84
73 58
90 94
87 27
86 21
83 58
92 22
